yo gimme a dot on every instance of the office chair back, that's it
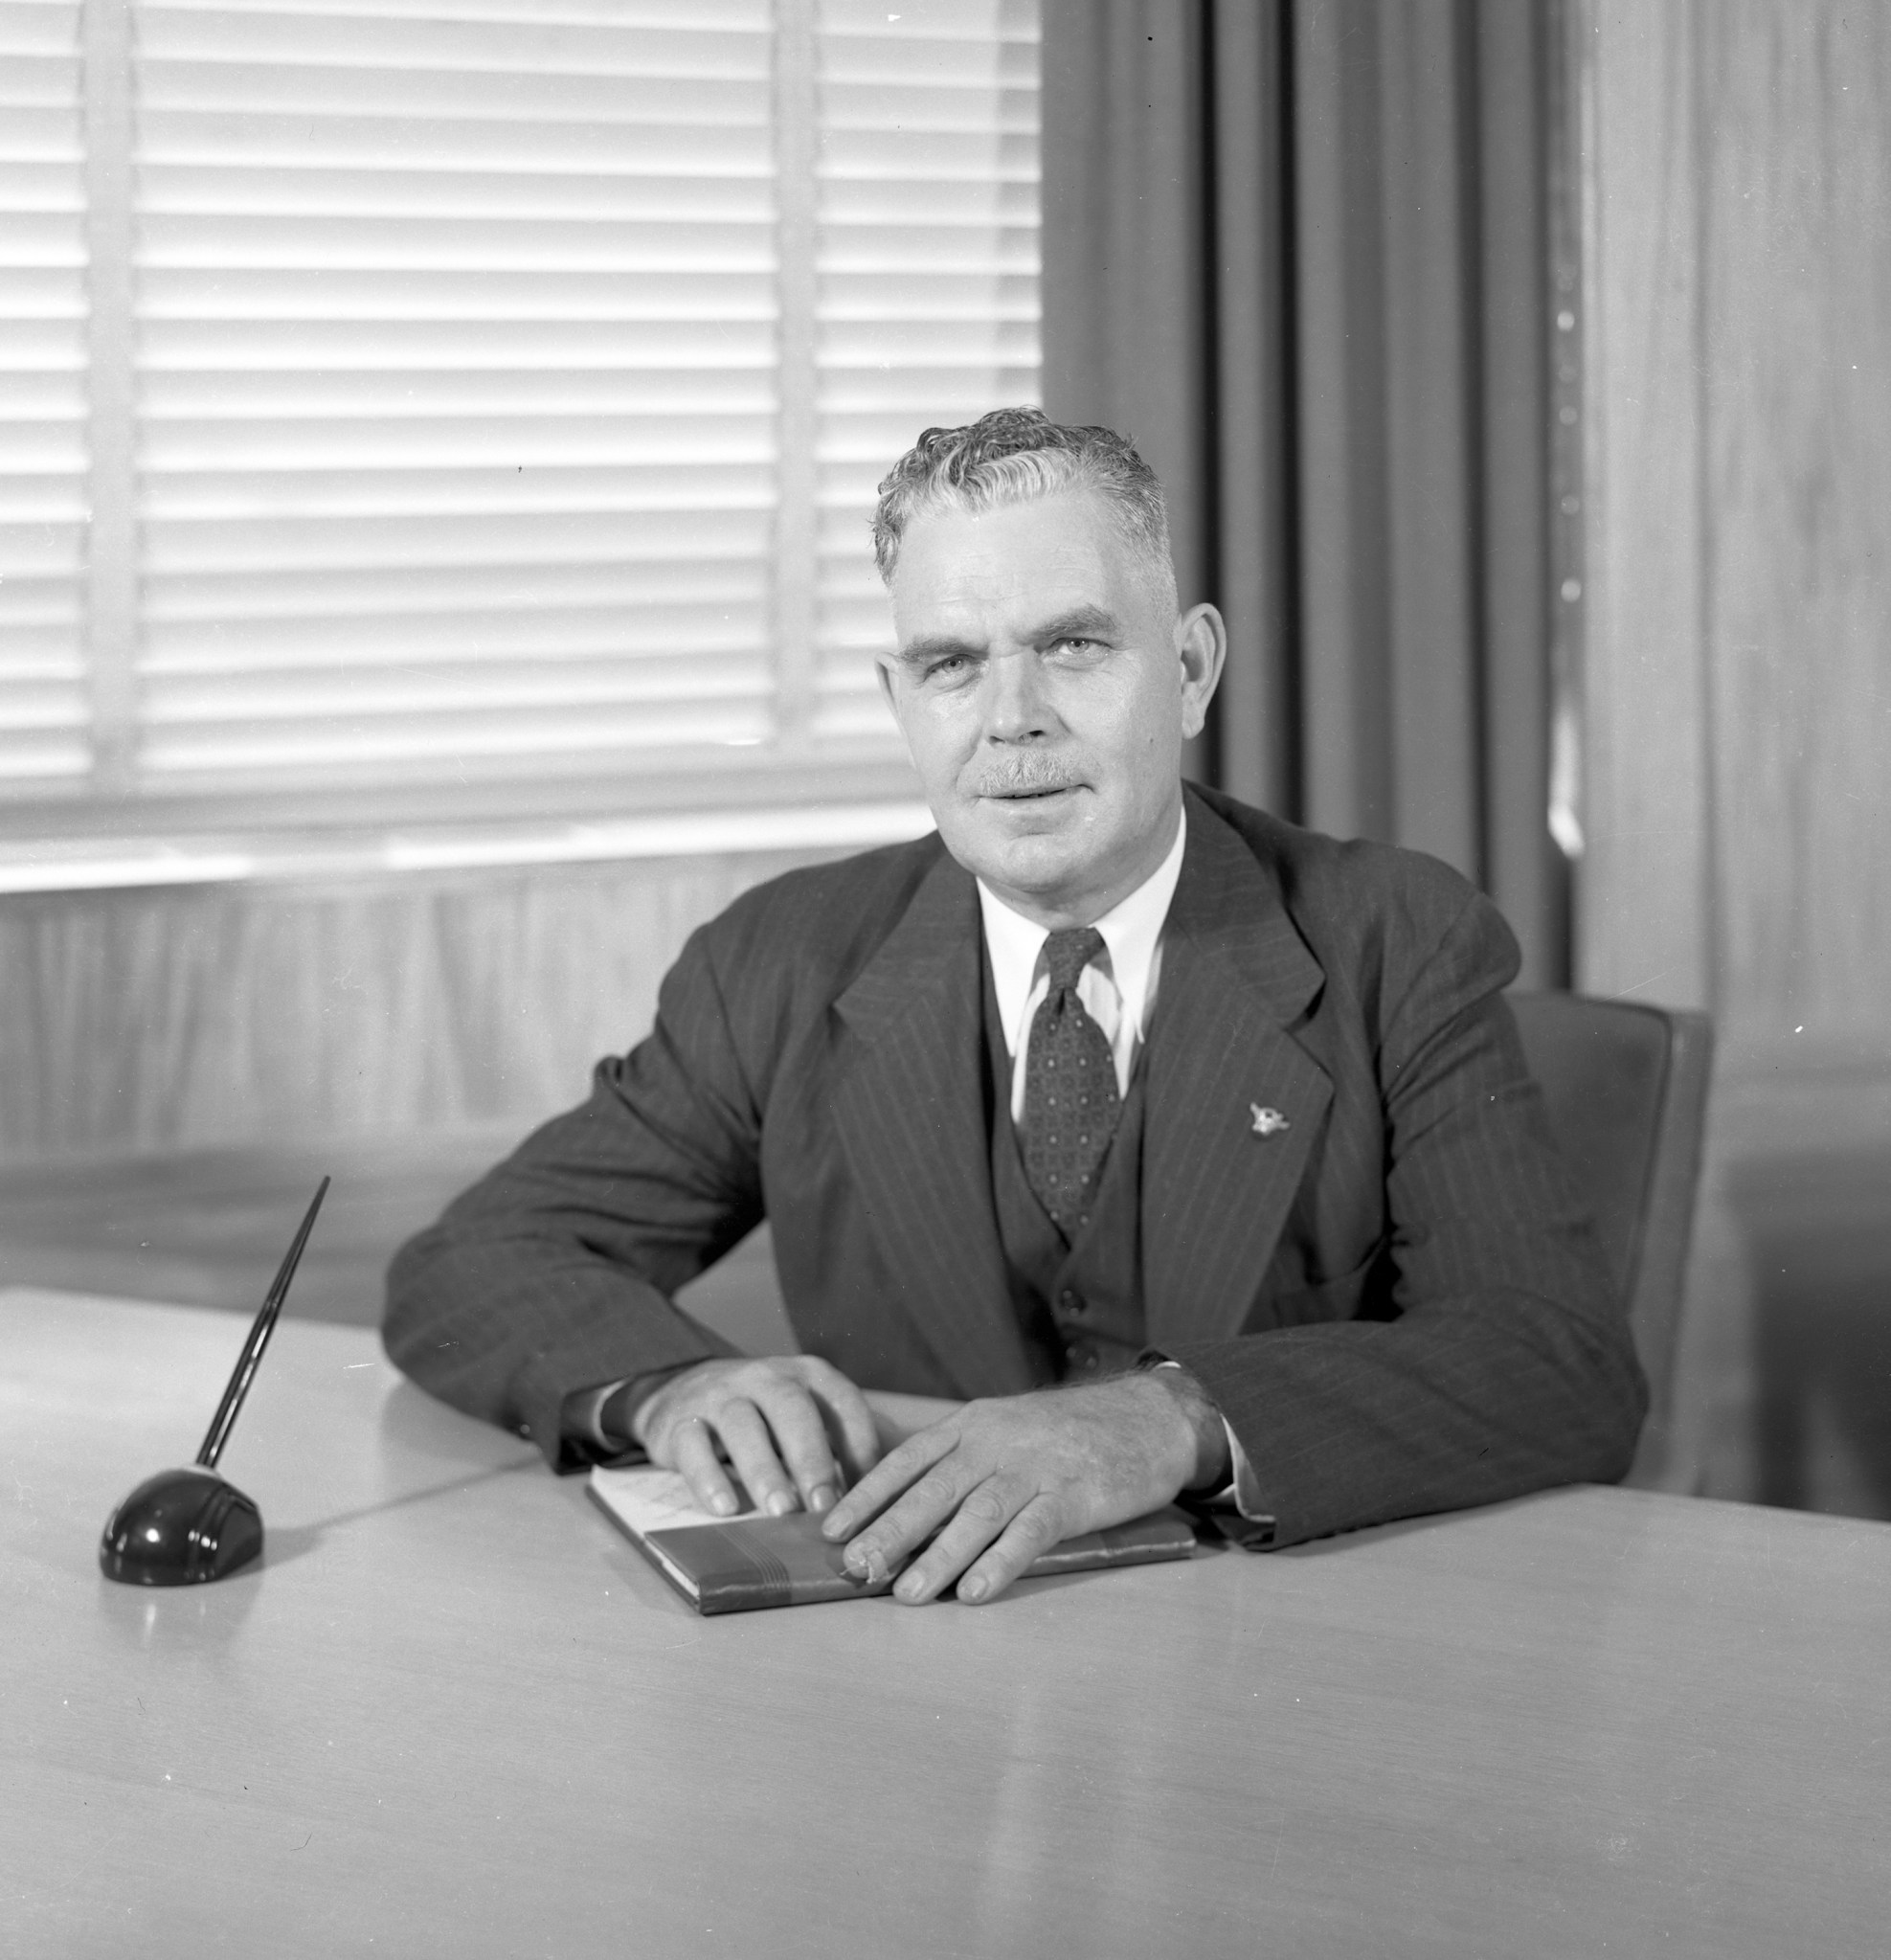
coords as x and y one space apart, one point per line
1627 1089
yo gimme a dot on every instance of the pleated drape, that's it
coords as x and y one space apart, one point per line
1296 249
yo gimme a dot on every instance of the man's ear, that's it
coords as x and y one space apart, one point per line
1200 649
884 668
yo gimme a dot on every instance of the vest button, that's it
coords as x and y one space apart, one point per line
1070 1301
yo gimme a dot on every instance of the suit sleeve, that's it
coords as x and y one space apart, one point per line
1505 1364
554 1273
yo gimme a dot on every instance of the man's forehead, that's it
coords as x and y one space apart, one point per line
1050 555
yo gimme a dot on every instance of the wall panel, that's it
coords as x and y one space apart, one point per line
1738 680
1796 173
1643 897
148 1020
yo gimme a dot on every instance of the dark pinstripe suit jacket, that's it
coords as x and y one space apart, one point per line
1396 1301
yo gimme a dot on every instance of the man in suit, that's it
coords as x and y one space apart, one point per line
1184 1150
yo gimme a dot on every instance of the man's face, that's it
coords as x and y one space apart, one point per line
1044 690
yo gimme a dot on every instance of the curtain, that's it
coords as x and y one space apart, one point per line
1296 249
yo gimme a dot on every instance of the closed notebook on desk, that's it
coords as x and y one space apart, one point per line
736 1565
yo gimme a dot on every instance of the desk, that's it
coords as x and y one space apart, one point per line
454 1713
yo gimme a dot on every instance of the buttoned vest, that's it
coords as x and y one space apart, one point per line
1078 1306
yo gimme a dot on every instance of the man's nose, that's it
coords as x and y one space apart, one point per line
1017 706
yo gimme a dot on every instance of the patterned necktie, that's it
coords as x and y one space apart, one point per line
1070 1098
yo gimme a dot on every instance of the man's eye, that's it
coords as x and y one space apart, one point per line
1074 643
948 668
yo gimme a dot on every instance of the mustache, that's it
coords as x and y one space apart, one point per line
1023 779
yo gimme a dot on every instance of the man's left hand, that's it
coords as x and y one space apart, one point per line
1003 1481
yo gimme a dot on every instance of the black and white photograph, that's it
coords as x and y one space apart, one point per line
1065 818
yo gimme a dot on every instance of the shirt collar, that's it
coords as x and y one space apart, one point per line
1132 930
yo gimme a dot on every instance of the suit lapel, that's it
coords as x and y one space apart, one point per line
1220 1172
909 1103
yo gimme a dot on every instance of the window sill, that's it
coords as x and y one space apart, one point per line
103 864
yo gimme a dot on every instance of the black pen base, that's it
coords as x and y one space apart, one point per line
180 1527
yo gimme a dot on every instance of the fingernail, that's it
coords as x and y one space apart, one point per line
973 1588
779 1503
910 1587
722 1503
864 1564
820 1499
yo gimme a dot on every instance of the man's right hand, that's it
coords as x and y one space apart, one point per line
794 1429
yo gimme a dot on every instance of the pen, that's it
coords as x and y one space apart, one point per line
225 1418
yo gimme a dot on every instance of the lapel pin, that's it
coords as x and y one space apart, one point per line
1267 1122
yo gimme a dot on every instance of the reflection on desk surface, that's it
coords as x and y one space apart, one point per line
205 1227
453 1710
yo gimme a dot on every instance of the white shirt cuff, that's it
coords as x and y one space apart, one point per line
585 1415
1242 1490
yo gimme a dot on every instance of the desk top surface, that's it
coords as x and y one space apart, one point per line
454 1712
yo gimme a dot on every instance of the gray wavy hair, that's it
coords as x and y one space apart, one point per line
1011 456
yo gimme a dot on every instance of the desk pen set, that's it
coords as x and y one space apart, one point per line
182 1527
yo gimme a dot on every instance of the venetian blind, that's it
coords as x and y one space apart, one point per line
927 263
508 384
44 703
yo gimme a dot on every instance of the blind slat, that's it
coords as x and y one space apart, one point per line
712 394
255 701
32 134
346 750
685 452
565 492
342 546
443 639
285 191
531 102
331 243
547 344
610 15
267 42
524 293
388 143
697 585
